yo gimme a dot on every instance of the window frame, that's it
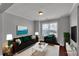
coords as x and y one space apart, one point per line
49 27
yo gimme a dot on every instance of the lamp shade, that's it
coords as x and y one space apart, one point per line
36 33
9 37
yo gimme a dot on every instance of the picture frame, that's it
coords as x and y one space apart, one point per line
21 30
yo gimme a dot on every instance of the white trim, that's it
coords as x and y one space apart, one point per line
74 4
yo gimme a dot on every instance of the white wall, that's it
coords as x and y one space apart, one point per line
73 17
74 22
11 21
78 27
63 26
0 34
3 7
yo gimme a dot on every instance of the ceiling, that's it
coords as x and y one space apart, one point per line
30 10
4 6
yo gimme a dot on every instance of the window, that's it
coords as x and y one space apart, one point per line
49 28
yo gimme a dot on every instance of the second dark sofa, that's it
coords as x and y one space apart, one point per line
51 39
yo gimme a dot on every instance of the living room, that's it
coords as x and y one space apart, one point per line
38 20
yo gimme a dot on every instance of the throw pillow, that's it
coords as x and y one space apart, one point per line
33 37
18 41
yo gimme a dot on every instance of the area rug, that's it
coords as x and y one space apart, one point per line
52 50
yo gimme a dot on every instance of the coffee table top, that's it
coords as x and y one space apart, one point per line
40 46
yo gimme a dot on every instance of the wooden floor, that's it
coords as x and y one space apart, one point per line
62 51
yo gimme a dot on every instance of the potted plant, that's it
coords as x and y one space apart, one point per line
66 38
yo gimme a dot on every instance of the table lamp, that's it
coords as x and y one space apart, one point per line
9 38
36 34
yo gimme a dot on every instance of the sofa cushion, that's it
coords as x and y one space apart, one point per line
27 38
50 37
25 44
21 39
17 44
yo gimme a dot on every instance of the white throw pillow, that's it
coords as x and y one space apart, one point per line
33 37
18 41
